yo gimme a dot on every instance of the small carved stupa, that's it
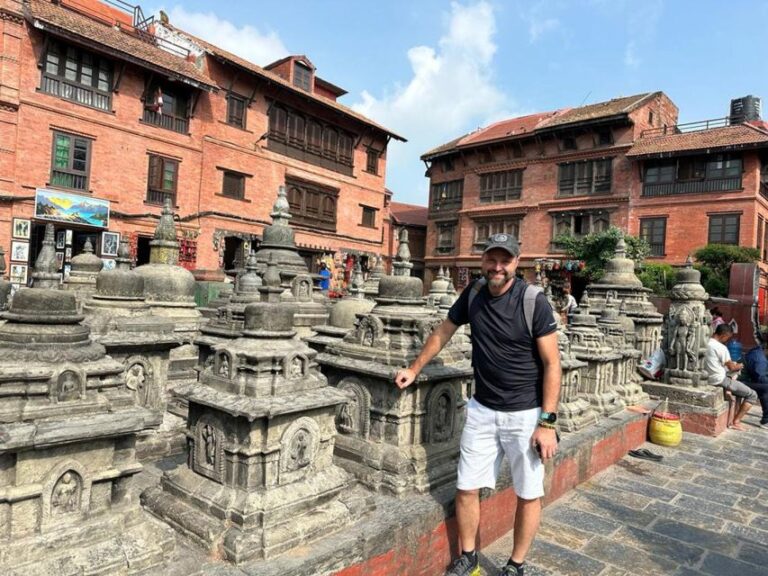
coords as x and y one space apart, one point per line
5 285
82 276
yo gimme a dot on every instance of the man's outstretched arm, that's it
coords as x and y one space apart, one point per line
436 341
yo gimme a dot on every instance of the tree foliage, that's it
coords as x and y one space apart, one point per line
596 249
714 262
658 277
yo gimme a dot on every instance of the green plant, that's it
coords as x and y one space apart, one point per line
596 249
714 262
658 277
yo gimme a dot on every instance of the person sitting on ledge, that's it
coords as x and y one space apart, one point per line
716 361
757 370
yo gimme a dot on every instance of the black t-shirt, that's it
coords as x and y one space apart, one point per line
508 368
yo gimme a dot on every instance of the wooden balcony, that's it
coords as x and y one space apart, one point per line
175 123
692 187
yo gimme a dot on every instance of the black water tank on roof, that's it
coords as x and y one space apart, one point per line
745 109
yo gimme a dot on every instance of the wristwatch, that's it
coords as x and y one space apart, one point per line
548 417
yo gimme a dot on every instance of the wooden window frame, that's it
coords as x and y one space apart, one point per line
501 186
302 76
370 213
442 247
312 204
78 179
649 229
175 114
372 161
447 195
239 193
75 90
485 228
583 178
156 190
594 216
722 218
232 117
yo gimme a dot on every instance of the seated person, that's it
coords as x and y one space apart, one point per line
757 370
716 361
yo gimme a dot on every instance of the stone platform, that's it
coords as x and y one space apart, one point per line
415 535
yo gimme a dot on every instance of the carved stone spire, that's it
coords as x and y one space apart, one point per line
123 259
164 248
403 264
281 210
46 271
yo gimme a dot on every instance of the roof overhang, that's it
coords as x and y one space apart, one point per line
699 151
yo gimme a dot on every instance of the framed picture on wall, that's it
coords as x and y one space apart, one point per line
59 260
60 240
109 263
109 243
21 228
68 238
19 251
68 253
19 274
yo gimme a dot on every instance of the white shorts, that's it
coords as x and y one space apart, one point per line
489 435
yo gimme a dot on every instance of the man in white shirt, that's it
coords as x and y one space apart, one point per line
716 361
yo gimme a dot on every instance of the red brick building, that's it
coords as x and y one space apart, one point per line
625 162
120 111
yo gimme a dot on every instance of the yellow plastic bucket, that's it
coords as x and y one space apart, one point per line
665 429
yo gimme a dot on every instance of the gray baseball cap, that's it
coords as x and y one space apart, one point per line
505 242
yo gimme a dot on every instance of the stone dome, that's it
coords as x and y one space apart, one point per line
167 283
121 283
400 287
44 306
86 263
620 270
344 313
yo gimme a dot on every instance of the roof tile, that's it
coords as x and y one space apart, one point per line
408 213
739 135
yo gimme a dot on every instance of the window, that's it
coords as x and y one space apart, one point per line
447 165
447 195
568 143
761 237
312 204
604 138
501 186
369 217
70 161
585 178
236 107
723 229
445 234
653 231
307 139
233 185
163 179
77 75
302 77
650 117
372 161
580 223
167 108
659 173
695 174
486 229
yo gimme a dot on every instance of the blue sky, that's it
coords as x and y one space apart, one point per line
432 70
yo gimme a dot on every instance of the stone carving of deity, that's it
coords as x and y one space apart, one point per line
299 449
303 291
224 366
442 423
680 337
135 380
368 337
68 386
296 369
66 494
209 439
346 421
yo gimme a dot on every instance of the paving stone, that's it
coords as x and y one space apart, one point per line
649 490
649 472
562 561
738 456
702 469
613 571
606 508
564 535
720 565
754 505
682 571
747 533
628 499
656 544
629 558
689 516
704 492
760 482
712 509
760 522
754 554
585 521
727 485
725 543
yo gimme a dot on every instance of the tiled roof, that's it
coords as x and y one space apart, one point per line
408 213
532 123
259 71
589 112
91 32
736 136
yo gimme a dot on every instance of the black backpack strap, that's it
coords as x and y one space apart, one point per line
474 288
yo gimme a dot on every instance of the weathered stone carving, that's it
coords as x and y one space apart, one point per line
65 497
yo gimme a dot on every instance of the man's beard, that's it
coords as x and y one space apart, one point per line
498 280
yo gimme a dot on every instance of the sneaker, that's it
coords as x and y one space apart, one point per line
464 566
510 570
764 424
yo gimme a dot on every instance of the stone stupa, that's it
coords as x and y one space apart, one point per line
69 429
5 286
82 276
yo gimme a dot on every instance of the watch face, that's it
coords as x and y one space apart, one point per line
550 417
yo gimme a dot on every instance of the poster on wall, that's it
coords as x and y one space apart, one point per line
71 208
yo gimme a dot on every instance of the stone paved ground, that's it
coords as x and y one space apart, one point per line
702 510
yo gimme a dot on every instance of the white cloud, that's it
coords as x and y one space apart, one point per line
538 26
540 19
641 30
259 47
451 91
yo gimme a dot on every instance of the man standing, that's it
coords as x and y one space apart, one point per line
325 277
757 370
514 409
716 361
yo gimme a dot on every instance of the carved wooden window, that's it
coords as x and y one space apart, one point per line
368 217
302 77
233 184
501 186
77 75
312 204
70 161
296 126
163 180
314 137
372 161
446 231
278 124
580 223
167 107
487 228
447 195
236 110
585 178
